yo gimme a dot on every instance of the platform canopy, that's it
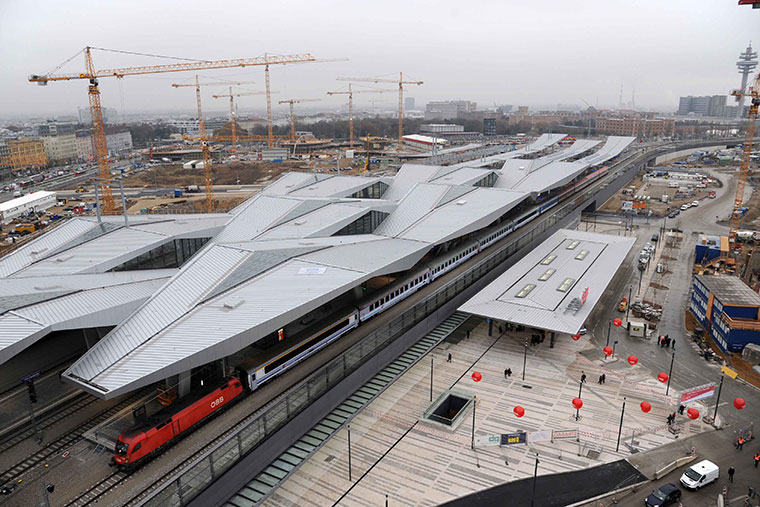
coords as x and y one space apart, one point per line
555 286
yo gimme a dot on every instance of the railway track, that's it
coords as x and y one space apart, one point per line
93 494
48 420
68 439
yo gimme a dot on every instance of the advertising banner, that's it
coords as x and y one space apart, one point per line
697 393
565 434
487 440
540 436
514 438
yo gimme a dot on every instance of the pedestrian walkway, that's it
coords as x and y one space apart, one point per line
393 452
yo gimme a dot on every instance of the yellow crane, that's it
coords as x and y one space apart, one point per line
401 84
93 75
205 150
350 94
749 137
232 109
293 114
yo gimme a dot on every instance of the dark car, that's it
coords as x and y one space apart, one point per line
655 237
665 495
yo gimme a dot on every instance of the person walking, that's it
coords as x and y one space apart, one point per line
508 373
757 459
468 334
449 359
583 377
604 378
673 344
681 409
731 474
740 443
600 379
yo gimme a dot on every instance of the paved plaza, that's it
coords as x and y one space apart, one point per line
394 453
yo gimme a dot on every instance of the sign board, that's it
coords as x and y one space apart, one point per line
487 440
540 436
697 393
584 296
565 434
639 205
514 438
30 377
627 206
280 334
728 371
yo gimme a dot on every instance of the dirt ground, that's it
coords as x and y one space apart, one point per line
657 207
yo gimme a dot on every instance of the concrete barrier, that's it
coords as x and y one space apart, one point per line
672 466
612 495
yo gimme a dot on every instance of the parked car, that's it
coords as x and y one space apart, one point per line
695 203
655 237
684 207
701 474
666 494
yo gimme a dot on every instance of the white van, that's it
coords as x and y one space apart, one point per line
701 474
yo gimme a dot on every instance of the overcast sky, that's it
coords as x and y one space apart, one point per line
538 53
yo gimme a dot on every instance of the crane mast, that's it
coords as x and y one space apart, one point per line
92 75
749 137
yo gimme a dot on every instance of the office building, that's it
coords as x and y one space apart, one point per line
408 103
438 128
489 126
448 110
26 152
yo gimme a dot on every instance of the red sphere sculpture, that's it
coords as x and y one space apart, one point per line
646 406
632 360
477 377
607 350
519 411
693 413
739 403
577 403
618 322
576 337
662 377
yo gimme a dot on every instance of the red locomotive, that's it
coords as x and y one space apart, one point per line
151 435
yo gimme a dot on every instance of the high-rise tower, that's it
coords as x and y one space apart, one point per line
747 62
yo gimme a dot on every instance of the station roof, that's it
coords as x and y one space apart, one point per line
543 142
545 288
537 178
82 245
31 308
271 260
730 290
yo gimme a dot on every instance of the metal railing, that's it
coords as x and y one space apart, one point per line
249 433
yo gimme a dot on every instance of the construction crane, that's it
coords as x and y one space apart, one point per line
350 94
754 94
401 84
293 114
232 110
92 75
209 205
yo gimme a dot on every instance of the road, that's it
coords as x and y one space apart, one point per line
689 369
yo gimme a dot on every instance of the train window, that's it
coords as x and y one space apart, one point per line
139 444
121 448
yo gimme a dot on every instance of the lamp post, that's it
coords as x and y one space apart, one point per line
533 493
620 429
577 410
628 306
431 377
525 359
717 400
349 453
474 404
609 328
670 373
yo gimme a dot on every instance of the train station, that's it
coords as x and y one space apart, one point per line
312 286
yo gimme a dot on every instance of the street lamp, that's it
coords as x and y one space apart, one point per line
525 359
535 474
670 373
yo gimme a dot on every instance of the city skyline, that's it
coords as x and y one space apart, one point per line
579 55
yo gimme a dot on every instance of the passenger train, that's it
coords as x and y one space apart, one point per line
149 436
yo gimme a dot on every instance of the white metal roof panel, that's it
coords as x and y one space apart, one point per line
335 186
172 301
98 255
416 204
407 177
260 213
292 181
322 222
541 308
463 176
42 246
195 337
13 330
384 255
